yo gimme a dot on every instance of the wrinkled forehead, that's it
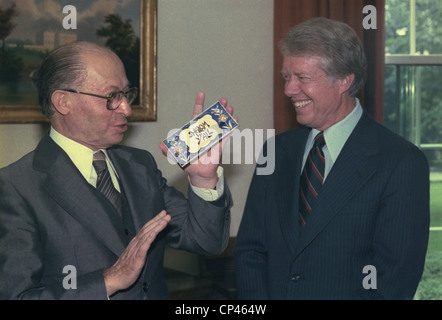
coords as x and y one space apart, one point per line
101 58
311 62
105 71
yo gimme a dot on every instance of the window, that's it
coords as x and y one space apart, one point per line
413 105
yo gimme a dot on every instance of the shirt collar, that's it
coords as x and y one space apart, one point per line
80 155
337 134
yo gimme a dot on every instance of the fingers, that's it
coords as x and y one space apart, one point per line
199 104
163 148
223 101
148 233
140 244
158 223
126 270
229 109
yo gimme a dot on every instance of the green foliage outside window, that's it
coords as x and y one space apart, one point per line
413 109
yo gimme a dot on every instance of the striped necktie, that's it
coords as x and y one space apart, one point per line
104 181
312 178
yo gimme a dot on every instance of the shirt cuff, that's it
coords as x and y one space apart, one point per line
211 194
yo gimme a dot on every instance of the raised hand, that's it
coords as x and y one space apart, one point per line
126 270
202 172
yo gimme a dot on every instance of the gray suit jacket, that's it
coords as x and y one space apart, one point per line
58 232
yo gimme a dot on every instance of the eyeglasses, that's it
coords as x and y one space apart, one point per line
114 99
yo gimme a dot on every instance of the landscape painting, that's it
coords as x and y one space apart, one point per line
30 29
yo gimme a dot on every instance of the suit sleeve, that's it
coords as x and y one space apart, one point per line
402 232
250 246
197 225
23 266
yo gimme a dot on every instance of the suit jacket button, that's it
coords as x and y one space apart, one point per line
296 278
145 286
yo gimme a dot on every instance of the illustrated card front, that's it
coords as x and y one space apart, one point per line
200 134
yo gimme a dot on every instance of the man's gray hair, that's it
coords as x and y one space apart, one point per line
335 43
64 68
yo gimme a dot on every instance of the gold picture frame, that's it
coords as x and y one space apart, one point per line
147 108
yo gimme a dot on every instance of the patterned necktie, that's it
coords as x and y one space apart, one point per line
312 178
104 181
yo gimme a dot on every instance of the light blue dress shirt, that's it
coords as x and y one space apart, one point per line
335 137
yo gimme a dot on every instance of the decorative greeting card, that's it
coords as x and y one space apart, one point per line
200 134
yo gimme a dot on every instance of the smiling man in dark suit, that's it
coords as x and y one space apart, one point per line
60 237
357 228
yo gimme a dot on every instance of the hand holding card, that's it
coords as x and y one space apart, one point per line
198 135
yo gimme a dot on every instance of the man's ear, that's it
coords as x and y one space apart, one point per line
61 102
346 82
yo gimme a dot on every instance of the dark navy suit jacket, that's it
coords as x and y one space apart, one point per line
52 218
372 212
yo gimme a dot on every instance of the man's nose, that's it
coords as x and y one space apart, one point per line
291 87
125 108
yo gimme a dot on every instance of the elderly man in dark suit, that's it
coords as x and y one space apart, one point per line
354 223
60 237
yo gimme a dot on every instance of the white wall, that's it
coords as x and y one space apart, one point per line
223 47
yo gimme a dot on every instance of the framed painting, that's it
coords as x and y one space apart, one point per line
97 21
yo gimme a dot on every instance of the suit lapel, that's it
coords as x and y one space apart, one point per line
350 172
140 183
132 182
75 195
289 162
